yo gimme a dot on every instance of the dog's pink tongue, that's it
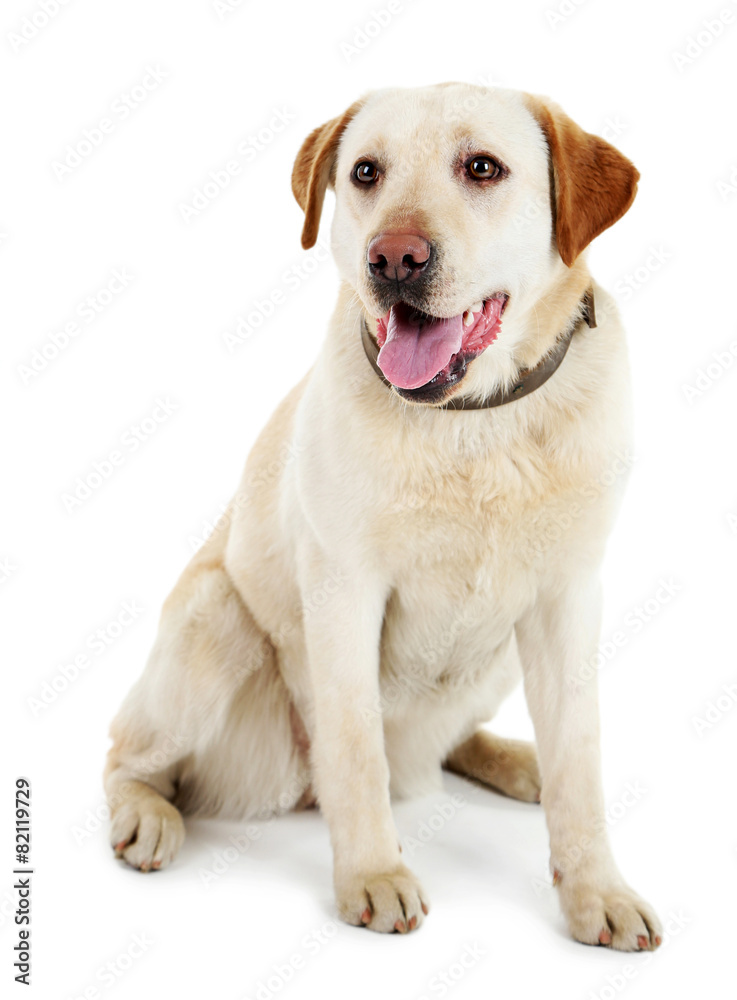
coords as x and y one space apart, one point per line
416 349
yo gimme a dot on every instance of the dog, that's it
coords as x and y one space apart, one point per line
421 523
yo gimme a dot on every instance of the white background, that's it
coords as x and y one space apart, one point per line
613 67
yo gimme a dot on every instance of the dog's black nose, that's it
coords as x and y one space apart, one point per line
398 256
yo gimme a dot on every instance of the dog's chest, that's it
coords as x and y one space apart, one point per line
472 524
463 564
441 632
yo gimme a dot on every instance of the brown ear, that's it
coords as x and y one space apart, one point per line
594 183
313 169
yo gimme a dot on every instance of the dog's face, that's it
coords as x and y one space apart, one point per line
455 205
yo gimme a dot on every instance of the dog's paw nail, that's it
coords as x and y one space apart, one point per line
425 909
366 916
156 864
412 923
605 938
642 941
119 847
658 942
399 926
556 876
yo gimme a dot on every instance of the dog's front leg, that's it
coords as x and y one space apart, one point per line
350 768
556 639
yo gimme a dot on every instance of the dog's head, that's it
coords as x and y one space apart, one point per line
456 205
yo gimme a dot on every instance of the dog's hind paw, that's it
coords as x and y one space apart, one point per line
147 832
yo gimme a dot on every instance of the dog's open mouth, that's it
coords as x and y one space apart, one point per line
423 356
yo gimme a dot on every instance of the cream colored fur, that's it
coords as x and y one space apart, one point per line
388 572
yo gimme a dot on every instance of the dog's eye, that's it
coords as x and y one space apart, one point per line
366 172
483 168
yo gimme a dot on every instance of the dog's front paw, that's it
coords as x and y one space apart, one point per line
613 916
382 901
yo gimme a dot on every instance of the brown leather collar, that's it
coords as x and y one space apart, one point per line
528 379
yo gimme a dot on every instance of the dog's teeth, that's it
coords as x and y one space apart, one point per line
468 317
477 308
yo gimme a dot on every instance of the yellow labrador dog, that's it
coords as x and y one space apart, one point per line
420 524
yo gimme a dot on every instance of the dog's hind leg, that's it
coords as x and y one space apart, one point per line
509 766
209 726
140 781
